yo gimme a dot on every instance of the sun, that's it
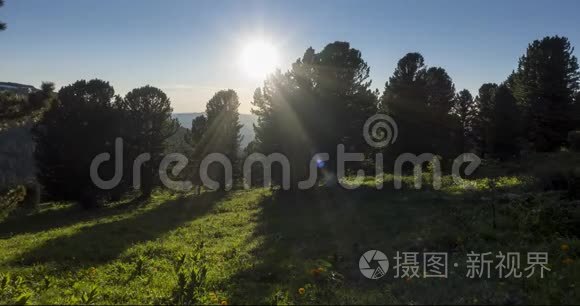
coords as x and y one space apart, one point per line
258 59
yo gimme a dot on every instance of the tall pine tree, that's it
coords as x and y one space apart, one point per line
482 122
323 101
504 127
547 79
420 100
465 109
218 132
147 123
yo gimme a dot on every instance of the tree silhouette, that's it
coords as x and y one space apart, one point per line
340 81
69 135
194 138
198 129
281 128
322 101
482 122
576 110
466 110
420 100
219 132
440 91
504 126
546 82
147 123
223 125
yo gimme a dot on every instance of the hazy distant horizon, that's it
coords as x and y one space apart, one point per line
246 120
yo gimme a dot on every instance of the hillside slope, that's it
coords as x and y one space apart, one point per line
266 248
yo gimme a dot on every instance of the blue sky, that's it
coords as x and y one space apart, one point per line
190 48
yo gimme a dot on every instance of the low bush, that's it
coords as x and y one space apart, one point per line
10 198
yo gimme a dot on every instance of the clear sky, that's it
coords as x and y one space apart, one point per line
191 49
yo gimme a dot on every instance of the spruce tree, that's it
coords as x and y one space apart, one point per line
322 101
420 100
505 124
146 116
466 111
218 132
482 122
547 79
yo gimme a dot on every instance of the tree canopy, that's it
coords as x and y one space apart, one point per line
420 99
545 84
322 101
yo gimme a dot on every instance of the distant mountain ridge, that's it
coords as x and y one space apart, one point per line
246 120
16 87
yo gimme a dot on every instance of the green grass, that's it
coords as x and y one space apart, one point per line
262 246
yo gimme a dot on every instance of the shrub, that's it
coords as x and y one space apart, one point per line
10 199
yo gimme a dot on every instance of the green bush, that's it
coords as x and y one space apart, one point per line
9 200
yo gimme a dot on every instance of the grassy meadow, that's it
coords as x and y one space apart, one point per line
269 247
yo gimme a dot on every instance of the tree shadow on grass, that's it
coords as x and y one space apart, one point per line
304 230
330 229
55 216
96 244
